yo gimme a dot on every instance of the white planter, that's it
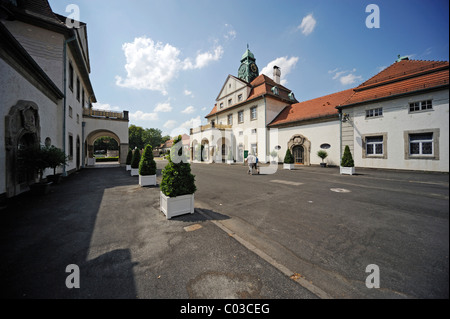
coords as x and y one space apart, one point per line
229 162
91 161
128 167
288 166
134 171
147 180
347 170
175 206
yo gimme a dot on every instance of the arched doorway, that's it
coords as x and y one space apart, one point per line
94 136
298 152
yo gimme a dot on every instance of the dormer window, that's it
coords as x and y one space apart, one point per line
291 96
221 106
240 98
275 90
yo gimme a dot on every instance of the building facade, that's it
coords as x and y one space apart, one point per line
46 94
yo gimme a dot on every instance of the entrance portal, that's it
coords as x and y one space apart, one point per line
299 152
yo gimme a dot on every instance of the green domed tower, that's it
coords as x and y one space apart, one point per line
248 71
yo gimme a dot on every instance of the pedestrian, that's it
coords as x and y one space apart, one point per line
251 159
256 164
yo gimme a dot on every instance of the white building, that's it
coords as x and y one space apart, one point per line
46 92
398 119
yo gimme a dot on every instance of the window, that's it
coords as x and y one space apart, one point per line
420 106
241 117
230 119
78 89
253 113
421 144
254 149
241 133
221 105
275 90
240 98
374 145
70 111
82 98
70 147
70 76
374 112
230 101
254 130
78 119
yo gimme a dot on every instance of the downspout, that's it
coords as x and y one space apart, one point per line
265 126
340 136
65 97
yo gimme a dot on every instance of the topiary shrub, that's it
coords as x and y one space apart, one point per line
147 165
347 158
322 154
129 157
136 159
288 158
177 179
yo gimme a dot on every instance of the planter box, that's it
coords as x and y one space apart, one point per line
323 164
347 170
175 206
91 161
134 171
147 180
128 167
40 189
229 162
288 166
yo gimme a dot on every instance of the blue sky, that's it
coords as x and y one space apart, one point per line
165 61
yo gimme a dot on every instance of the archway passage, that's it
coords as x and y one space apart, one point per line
90 153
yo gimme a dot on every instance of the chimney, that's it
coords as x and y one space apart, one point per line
276 74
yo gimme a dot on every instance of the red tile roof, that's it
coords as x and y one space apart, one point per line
402 77
319 107
260 86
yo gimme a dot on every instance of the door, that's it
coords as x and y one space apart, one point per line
298 153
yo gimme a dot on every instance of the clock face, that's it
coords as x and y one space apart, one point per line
253 67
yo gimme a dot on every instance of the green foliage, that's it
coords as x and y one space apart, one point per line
274 154
147 165
322 154
140 137
106 159
177 179
347 158
55 157
288 158
39 158
106 143
136 159
129 157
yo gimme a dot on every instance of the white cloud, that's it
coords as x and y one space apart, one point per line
163 107
152 65
170 124
188 110
105 107
308 24
188 93
286 65
186 126
350 79
230 32
141 116
346 77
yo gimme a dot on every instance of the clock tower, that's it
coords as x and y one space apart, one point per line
248 71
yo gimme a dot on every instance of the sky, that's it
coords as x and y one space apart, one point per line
165 61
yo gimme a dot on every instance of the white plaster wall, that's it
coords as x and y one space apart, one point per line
395 121
13 87
120 128
317 134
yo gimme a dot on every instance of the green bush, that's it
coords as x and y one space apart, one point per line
347 159
177 179
147 165
107 159
129 157
288 158
136 159
322 154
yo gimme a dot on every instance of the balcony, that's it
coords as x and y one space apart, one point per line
123 116
208 127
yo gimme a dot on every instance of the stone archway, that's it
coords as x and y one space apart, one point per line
22 129
298 141
93 136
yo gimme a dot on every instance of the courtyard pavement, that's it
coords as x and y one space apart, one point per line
302 234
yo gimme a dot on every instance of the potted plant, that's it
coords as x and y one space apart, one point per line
274 154
323 155
288 162
230 156
347 163
34 160
129 158
178 184
55 157
147 168
135 162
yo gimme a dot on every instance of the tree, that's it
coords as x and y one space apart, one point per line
288 158
322 154
55 157
136 159
177 179
135 137
129 157
147 165
347 158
